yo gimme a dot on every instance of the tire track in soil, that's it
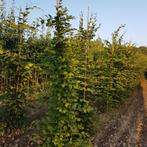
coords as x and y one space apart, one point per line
144 130
125 130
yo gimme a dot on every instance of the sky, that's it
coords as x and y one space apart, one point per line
110 14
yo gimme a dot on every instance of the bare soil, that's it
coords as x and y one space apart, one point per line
143 142
128 127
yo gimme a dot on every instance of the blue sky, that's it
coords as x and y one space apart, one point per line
110 13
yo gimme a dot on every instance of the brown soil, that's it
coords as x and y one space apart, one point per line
128 127
144 130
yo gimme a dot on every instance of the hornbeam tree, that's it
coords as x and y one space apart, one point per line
66 123
16 70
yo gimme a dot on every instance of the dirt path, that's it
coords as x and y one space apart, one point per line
144 131
128 128
144 86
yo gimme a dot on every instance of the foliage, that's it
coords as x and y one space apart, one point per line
80 75
16 69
